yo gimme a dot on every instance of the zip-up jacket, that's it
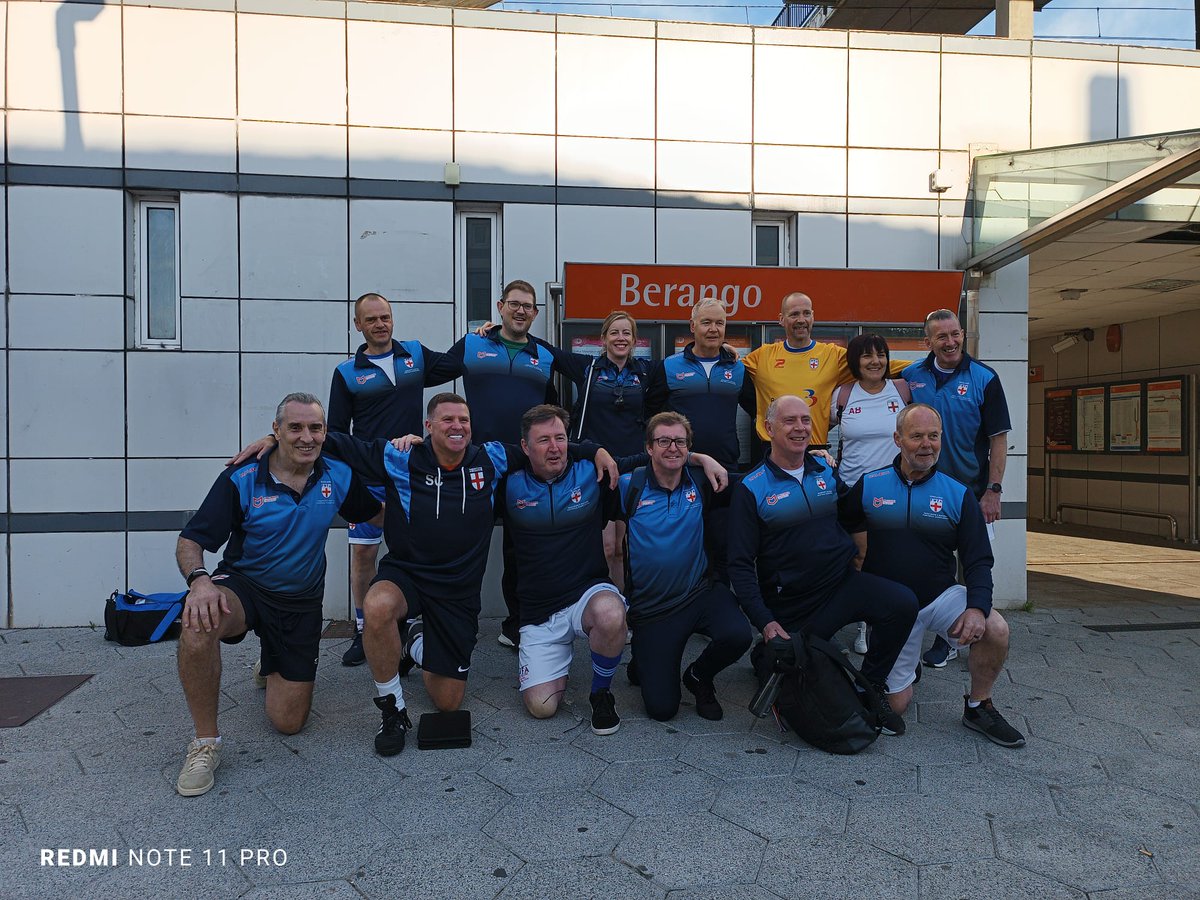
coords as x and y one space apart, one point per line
610 408
438 522
973 408
364 402
500 390
679 383
557 528
915 528
665 562
786 548
276 537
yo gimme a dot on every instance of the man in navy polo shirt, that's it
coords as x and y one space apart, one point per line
916 519
273 516
504 373
970 399
792 564
377 393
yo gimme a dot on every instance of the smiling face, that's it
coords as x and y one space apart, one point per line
449 427
790 429
546 447
373 318
618 340
708 328
873 364
919 437
945 338
668 448
300 433
796 317
518 309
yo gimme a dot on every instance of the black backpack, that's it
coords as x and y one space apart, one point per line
818 697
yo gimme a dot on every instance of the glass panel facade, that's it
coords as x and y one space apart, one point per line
162 275
479 288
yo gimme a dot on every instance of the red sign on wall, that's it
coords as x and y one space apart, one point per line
754 294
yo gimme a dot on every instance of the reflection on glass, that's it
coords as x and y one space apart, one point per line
766 245
162 278
478 287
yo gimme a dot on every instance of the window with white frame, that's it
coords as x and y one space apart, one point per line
771 242
156 267
479 265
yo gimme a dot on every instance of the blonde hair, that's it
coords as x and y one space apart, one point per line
615 316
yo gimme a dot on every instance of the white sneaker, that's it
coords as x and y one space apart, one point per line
260 680
860 642
198 773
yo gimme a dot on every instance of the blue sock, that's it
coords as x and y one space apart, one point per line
603 669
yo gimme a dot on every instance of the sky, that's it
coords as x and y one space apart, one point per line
1160 23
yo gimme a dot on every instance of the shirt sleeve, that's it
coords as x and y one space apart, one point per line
365 458
360 504
975 554
850 509
844 375
994 412
750 361
438 367
655 399
744 539
218 515
747 398
341 407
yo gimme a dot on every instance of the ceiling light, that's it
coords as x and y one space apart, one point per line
1162 285
1065 344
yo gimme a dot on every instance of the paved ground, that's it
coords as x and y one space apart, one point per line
1101 803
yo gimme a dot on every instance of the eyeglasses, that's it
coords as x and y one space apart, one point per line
664 443
520 307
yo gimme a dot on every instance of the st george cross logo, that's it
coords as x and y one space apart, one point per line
935 504
820 484
690 495
576 495
409 363
962 390
814 363
534 361
893 406
326 490
477 478
729 374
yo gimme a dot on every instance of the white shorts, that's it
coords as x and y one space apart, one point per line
545 653
937 617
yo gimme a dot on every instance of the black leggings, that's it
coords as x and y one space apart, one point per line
889 608
658 646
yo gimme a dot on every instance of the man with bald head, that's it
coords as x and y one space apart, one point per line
810 369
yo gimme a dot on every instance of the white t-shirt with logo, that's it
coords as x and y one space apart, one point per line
868 423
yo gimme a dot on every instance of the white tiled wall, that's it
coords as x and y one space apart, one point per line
403 249
87 567
293 248
65 240
291 69
88 391
179 63
64 57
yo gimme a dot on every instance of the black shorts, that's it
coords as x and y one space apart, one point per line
290 638
451 625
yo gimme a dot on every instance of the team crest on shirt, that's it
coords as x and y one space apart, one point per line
775 498
646 502
478 480
576 495
258 502
962 389
534 361
408 363
690 495
363 379
935 504
729 374
523 503
679 376
820 484
635 380
603 376
814 363
326 489
893 406
883 501
485 354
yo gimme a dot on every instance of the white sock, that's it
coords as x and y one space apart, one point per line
974 704
214 741
417 650
392 687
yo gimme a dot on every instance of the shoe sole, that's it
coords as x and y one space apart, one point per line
195 792
939 665
604 731
395 752
992 738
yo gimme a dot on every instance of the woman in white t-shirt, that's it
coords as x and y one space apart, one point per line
866 412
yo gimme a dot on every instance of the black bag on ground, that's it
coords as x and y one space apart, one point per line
134 619
817 694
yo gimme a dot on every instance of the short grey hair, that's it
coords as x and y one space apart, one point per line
773 406
708 301
902 416
939 315
297 397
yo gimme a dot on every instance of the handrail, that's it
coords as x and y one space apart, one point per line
1058 519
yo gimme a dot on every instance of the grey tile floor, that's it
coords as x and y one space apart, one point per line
1103 802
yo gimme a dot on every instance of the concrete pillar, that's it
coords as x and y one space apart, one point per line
1014 19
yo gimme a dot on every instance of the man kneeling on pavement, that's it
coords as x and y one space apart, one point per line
914 519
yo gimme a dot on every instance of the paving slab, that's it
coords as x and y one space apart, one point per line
996 878
647 787
1086 856
833 867
1157 821
781 807
694 850
473 866
950 829
565 825
593 878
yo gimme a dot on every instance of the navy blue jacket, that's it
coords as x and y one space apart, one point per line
438 522
973 408
678 383
786 548
610 408
498 389
913 531
365 403
557 528
276 537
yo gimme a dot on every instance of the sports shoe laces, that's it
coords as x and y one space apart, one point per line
199 758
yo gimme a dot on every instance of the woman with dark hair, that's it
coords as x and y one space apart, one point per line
866 411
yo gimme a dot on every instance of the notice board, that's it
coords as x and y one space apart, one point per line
1135 416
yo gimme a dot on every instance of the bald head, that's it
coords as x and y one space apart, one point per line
796 317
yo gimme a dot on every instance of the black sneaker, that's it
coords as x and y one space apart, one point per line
604 712
941 653
705 693
389 739
355 656
631 672
408 634
986 719
891 722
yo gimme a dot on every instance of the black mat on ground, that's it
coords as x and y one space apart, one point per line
444 730
23 698
338 630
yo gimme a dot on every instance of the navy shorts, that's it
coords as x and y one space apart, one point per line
451 625
290 637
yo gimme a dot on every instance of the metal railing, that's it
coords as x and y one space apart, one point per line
795 15
1083 507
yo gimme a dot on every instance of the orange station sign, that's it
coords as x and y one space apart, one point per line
753 293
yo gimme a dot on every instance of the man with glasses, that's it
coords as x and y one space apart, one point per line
975 422
505 372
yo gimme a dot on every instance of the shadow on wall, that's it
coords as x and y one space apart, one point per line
68 17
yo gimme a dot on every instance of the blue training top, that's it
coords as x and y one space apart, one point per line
276 537
364 402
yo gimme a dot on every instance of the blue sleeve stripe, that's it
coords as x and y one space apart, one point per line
396 465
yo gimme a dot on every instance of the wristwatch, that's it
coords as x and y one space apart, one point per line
194 574
996 486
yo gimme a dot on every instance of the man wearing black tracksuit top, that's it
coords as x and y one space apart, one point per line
671 596
792 563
